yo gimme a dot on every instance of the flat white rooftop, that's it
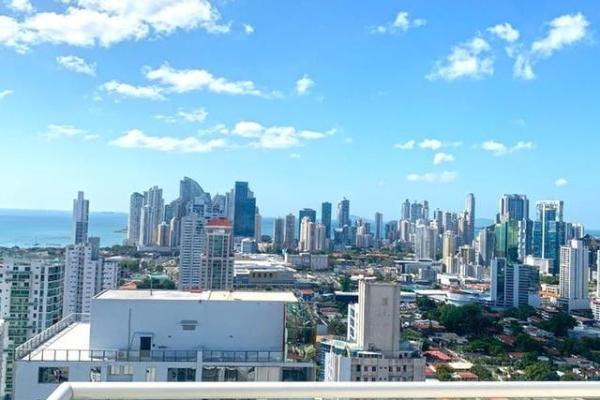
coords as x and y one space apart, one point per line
210 295
65 345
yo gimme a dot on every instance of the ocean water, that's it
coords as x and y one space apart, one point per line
29 228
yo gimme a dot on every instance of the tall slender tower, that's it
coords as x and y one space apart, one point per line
344 213
470 209
217 260
81 209
136 202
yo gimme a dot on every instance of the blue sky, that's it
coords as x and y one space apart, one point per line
308 101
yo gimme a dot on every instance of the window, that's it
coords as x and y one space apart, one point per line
189 324
96 374
181 375
121 370
53 374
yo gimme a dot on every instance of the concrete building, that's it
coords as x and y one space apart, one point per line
31 290
217 261
86 274
574 276
190 252
136 202
278 234
143 336
308 261
151 216
3 356
373 350
289 236
81 211
470 217
244 210
513 285
513 207
343 213
426 242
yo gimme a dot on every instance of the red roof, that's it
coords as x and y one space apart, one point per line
219 222
438 354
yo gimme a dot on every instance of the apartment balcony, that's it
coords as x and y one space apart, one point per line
320 390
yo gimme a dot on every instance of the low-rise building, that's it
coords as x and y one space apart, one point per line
143 335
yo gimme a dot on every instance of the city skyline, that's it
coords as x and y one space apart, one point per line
475 105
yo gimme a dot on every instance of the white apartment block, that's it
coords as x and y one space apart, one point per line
574 276
142 335
373 350
86 274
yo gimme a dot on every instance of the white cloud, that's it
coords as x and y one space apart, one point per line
501 149
192 116
106 22
402 22
5 93
54 131
248 29
23 6
348 140
471 59
565 30
275 137
440 158
505 32
136 139
304 84
187 80
560 182
127 90
431 144
433 177
295 156
77 64
409 145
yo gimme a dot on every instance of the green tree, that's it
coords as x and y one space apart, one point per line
559 324
443 373
540 371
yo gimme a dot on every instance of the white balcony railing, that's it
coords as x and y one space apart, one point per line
311 390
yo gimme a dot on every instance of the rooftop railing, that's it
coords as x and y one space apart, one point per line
314 390
42 337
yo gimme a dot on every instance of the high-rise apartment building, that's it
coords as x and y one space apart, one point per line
32 297
81 210
136 202
86 274
343 213
151 216
278 233
289 234
574 276
306 212
190 252
378 227
326 218
426 242
217 259
470 217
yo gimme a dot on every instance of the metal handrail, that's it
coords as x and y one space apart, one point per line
27 347
306 390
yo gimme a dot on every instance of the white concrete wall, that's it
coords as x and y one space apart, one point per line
222 325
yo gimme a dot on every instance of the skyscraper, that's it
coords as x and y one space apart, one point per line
549 231
470 209
278 233
244 210
344 213
378 227
405 212
574 276
306 212
326 218
289 236
151 216
190 253
81 209
307 234
257 226
217 260
426 242
136 202
514 207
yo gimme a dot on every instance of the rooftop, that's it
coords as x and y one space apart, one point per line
209 295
